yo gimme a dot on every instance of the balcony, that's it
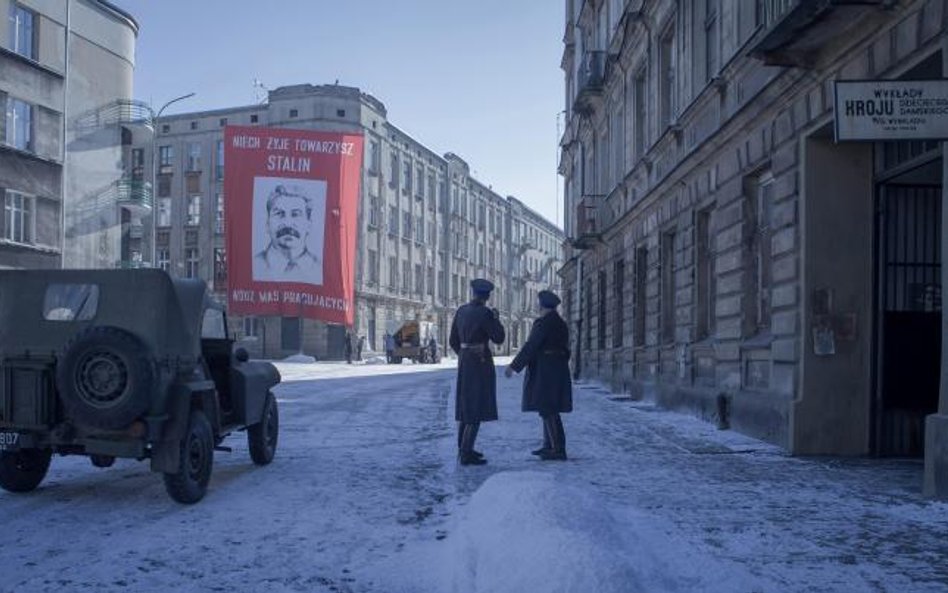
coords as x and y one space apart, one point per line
133 194
588 222
128 264
125 112
590 82
798 32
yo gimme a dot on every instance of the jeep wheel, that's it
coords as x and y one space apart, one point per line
262 437
196 461
23 470
105 378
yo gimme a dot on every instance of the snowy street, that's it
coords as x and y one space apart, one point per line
365 495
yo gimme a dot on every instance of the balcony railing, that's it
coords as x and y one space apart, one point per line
119 112
795 31
134 193
590 80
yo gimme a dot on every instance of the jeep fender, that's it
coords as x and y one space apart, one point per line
250 383
182 398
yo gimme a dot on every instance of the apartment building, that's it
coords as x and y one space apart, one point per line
726 255
65 87
426 226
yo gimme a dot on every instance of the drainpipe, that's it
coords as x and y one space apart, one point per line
578 367
64 139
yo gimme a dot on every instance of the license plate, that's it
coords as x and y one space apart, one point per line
9 441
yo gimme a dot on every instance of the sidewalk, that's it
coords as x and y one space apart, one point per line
653 500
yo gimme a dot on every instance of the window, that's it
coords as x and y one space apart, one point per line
251 327
406 225
454 286
222 122
340 113
213 325
165 128
668 287
393 220
254 118
194 211
18 217
666 81
138 158
406 275
431 280
192 262
374 212
758 198
219 165
194 156
618 146
419 280
70 302
419 229
164 186
164 212
374 156
19 123
219 214
432 238
220 267
711 39
420 186
373 264
641 287
589 313
393 171
704 275
480 255
603 283
432 194
21 31
294 113
194 125
393 272
406 176
164 259
165 155
618 326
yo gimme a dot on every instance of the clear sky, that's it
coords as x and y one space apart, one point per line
479 78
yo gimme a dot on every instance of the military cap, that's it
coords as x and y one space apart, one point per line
482 287
548 299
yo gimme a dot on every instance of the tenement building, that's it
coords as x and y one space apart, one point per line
65 87
426 226
727 253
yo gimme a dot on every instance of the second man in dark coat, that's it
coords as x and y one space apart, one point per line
547 387
474 326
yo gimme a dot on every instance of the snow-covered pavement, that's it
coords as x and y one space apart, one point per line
365 495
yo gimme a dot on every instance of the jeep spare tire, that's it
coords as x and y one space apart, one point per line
106 377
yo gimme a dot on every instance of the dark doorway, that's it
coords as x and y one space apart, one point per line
336 339
909 309
290 334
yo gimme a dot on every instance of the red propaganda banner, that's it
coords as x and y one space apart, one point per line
290 205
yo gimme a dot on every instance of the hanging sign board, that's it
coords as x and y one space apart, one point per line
891 110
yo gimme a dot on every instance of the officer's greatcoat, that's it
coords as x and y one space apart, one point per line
547 387
474 325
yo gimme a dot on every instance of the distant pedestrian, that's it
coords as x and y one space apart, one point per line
347 348
359 345
547 387
389 347
433 350
474 326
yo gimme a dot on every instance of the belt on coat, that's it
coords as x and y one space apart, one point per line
563 352
473 346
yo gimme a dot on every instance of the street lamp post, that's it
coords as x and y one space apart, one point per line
154 177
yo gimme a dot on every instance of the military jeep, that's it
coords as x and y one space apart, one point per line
124 363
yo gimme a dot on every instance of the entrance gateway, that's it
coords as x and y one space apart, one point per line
908 294
907 119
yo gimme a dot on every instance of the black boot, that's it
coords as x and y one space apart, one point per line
546 440
557 439
467 455
461 439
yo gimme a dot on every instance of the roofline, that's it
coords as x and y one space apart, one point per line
206 113
116 11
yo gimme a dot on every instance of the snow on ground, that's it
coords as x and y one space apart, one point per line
365 495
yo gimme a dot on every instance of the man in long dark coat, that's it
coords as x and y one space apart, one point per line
474 326
547 387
